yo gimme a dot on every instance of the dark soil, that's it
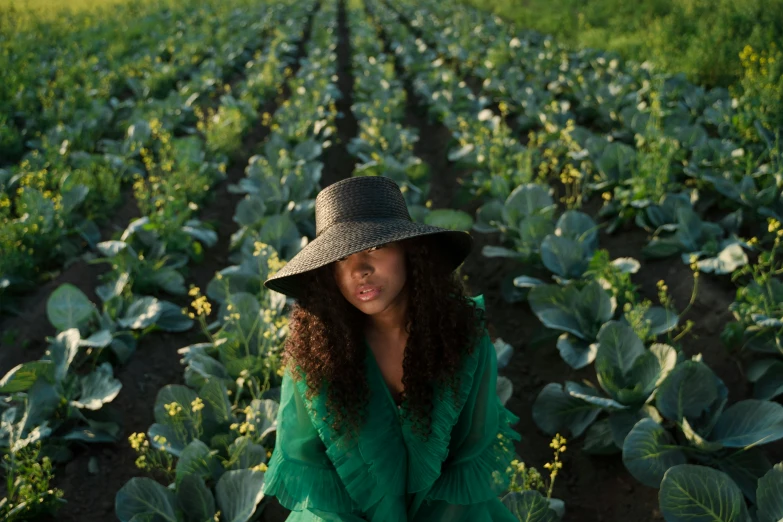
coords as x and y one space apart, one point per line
338 163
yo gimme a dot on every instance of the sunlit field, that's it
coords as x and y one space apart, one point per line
619 166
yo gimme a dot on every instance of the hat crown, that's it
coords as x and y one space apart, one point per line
361 198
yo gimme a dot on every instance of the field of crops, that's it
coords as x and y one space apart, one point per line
159 161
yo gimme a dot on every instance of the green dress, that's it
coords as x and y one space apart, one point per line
390 474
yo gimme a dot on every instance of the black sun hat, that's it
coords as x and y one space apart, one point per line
358 213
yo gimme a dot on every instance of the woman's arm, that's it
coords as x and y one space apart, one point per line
299 472
480 449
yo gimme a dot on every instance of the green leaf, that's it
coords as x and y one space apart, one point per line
171 318
142 496
649 450
100 339
98 388
622 421
618 346
697 493
579 227
727 260
169 280
748 423
22 377
527 200
688 390
195 499
496 251
598 439
462 152
662 247
62 352
532 232
660 320
563 256
238 494
68 307
555 410
576 352
770 495
43 399
530 506
215 396
770 384
245 454
197 459
450 219
745 468
143 312
592 395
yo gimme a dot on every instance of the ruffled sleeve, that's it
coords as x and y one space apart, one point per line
480 449
299 472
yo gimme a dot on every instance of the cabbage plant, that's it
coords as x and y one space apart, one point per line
758 310
524 219
694 424
690 491
696 239
532 506
628 376
761 192
46 398
112 326
151 256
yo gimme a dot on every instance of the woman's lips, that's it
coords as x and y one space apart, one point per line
371 293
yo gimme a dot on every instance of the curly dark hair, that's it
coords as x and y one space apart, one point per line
326 339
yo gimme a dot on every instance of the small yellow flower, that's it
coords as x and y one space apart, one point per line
173 408
202 306
136 440
141 462
197 405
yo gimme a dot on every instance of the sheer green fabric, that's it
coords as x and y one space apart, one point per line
389 474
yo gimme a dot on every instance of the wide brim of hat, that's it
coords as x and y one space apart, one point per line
344 239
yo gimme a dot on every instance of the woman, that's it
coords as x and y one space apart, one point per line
388 408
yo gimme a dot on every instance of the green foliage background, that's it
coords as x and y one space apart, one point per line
702 38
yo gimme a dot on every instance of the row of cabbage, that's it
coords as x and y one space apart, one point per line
65 73
74 173
60 399
637 135
673 222
212 437
674 129
584 306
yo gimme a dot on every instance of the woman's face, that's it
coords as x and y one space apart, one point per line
383 269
